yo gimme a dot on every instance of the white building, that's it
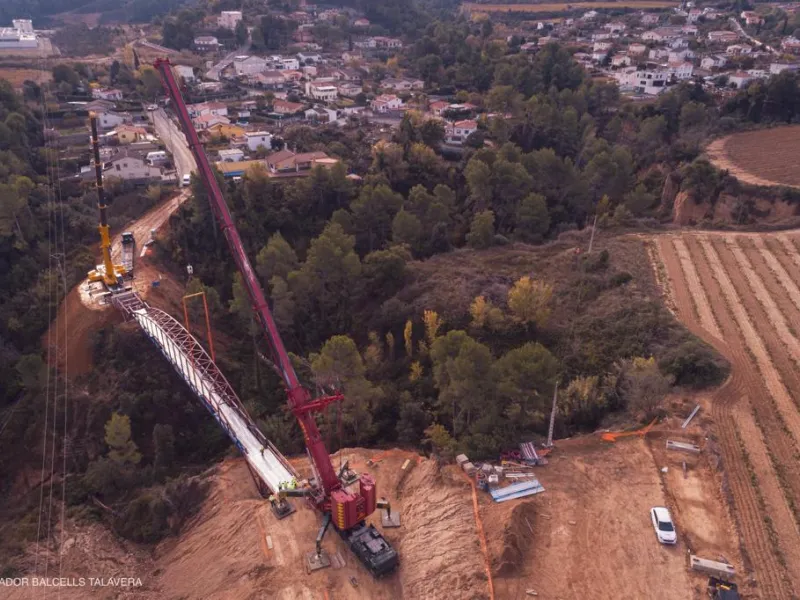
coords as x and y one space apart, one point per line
306 58
231 155
107 93
185 72
385 103
249 65
130 167
683 54
321 91
458 132
20 35
680 69
740 79
651 81
111 120
206 43
208 108
714 61
229 19
258 138
737 49
285 63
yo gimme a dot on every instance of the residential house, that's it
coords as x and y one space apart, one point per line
292 75
680 69
249 65
621 60
108 119
208 108
402 85
589 16
740 79
226 130
529 47
776 68
385 103
231 155
185 72
694 15
156 158
269 79
690 30
283 107
128 134
713 61
737 49
352 56
615 27
209 120
651 80
722 37
367 44
206 43
324 92
791 44
107 94
388 42
285 63
751 18
658 54
306 58
458 132
229 19
130 167
438 107
349 89
258 138
637 49
320 114
600 36
287 163
650 19
662 34
362 22
683 54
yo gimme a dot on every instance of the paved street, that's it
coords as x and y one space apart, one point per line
171 135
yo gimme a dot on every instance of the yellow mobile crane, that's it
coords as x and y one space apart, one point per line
108 273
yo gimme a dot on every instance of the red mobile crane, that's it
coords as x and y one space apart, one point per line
346 509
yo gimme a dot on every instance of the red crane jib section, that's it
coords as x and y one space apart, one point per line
347 509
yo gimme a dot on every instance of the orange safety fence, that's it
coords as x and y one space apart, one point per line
612 436
481 535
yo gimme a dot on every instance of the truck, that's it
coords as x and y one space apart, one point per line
128 252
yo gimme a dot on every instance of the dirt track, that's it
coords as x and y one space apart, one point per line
748 280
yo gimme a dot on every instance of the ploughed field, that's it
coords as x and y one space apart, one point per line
741 293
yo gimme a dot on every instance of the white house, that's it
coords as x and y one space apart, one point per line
387 42
714 61
737 49
683 54
205 121
651 81
185 72
458 132
650 19
258 138
658 54
321 91
637 48
107 93
722 37
249 65
349 89
208 108
284 63
306 58
621 60
776 68
231 155
680 69
615 27
110 119
694 15
402 84
130 167
206 43
385 103
740 79
229 19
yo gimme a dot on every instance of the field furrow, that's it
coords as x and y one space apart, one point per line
759 289
732 396
754 342
777 268
704 312
784 249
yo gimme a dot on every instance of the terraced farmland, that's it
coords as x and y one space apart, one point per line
740 293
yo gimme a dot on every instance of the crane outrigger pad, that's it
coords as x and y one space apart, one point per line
390 519
282 510
317 560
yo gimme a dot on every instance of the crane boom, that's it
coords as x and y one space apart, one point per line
299 398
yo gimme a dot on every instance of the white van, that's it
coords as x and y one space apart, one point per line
187 179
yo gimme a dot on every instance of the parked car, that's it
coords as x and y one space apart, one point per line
187 179
662 523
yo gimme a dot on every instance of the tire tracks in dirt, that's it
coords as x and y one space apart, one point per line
756 544
707 320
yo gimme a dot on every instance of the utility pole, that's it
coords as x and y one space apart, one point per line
594 228
549 443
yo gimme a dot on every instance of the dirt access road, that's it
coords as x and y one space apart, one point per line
740 293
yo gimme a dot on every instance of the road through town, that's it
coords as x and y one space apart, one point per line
168 131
